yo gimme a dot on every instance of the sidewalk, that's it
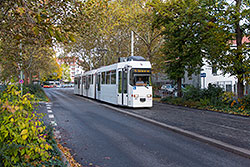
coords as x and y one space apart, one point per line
234 130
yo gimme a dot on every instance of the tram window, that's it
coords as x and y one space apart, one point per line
140 77
125 82
113 77
78 83
103 77
92 79
120 82
84 80
108 77
99 82
140 80
89 79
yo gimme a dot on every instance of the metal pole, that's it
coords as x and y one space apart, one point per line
132 43
21 72
204 84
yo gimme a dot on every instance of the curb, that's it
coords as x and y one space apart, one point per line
64 159
228 147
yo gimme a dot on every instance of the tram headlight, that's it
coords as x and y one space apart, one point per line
149 96
135 96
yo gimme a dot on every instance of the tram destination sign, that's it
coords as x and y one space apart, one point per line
142 71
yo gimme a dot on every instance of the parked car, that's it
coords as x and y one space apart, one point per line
169 88
48 85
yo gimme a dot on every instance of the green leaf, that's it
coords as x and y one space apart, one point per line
35 30
38 18
51 33
72 38
58 36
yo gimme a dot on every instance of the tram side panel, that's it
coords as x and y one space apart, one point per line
108 94
75 86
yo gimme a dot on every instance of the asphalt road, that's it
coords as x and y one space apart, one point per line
101 137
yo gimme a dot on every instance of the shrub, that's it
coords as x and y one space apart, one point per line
213 93
192 93
246 101
209 96
36 90
22 133
227 97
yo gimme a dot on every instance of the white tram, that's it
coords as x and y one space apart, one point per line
125 83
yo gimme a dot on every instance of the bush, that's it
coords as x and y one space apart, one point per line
210 96
213 93
192 93
227 97
36 90
246 101
23 136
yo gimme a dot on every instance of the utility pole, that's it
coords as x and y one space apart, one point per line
132 43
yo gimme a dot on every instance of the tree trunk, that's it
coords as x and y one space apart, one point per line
238 30
30 77
240 88
179 91
26 76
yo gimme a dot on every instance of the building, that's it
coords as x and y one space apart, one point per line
210 75
74 69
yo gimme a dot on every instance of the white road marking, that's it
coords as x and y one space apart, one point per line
53 123
51 116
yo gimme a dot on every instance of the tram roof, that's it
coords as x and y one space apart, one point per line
132 64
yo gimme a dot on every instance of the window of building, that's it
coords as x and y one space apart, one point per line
214 70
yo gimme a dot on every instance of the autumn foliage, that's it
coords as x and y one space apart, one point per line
23 136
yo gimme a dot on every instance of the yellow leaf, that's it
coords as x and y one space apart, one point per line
33 129
12 120
24 137
46 146
25 131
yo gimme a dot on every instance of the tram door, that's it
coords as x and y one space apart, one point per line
122 87
98 86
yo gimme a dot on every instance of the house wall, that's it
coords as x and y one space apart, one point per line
227 82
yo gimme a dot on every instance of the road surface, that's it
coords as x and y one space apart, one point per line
101 137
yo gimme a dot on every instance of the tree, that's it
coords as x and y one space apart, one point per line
32 24
65 72
230 23
183 26
103 32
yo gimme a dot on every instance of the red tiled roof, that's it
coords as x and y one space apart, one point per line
244 40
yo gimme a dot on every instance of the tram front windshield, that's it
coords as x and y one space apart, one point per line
140 77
